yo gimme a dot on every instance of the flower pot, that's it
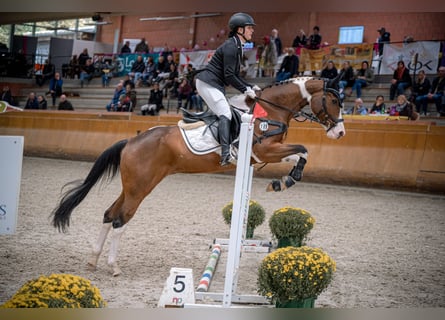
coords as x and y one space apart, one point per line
306 303
287 242
249 233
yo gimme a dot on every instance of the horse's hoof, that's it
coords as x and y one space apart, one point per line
91 267
116 272
275 185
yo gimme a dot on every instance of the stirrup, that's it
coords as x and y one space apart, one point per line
226 160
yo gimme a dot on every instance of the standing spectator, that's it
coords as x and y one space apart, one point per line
300 40
115 103
86 72
420 88
56 87
137 69
400 81
277 40
126 47
314 40
154 101
142 47
365 76
330 71
43 105
83 57
378 106
6 95
65 104
48 72
32 102
436 93
385 37
268 57
289 66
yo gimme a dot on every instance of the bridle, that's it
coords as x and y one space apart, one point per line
322 117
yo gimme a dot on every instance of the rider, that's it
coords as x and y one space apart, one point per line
222 70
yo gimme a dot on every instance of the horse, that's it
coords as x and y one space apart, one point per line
147 158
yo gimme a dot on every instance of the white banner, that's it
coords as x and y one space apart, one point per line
427 59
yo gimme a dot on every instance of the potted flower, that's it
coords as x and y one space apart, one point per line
255 217
57 291
293 277
290 226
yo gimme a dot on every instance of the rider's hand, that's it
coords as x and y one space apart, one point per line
256 88
250 93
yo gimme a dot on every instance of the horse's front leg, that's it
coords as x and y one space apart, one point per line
278 152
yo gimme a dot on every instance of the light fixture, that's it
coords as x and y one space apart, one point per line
200 15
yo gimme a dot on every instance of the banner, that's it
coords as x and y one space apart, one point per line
314 60
427 57
125 61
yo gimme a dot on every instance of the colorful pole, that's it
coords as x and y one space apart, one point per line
209 270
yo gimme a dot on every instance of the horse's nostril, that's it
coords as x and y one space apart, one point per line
341 134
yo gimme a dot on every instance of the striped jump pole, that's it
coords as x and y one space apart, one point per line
209 270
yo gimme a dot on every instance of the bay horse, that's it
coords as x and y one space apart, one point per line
145 159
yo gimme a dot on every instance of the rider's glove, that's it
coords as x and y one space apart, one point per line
250 93
256 88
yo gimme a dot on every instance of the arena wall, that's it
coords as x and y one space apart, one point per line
390 154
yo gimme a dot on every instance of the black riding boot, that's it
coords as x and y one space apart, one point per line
224 140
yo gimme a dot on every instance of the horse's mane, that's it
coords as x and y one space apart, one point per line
291 80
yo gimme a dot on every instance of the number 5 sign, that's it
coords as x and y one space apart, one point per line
178 289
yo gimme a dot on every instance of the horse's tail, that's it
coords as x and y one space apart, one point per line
107 163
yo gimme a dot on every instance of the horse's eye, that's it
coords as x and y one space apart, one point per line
335 101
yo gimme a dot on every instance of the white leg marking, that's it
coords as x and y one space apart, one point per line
98 246
114 247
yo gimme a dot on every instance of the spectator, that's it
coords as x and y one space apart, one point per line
107 68
365 76
74 68
330 71
43 105
277 40
126 47
268 57
171 83
185 91
32 102
379 106
162 69
137 69
141 47
289 66
358 108
314 40
196 98
347 79
86 72
116 100
400 81
48 72
244 67
83 57
65 104
300 40
149 72
128 101
154 101
385 37
404 108
436 93
56 87
6 95
128 81
420 88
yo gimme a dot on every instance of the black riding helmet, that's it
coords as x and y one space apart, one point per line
240 19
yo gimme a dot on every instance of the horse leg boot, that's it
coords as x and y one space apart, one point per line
114 246
224 140
98 246
288 181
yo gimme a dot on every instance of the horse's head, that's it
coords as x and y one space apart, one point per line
326 105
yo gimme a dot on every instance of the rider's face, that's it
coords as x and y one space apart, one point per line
248 33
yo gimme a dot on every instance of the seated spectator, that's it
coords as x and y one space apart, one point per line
43 105
347 79
314 40
65 104
137 69
107 67
162 70
365 76
149 72
74 68
400 81
185 91
404 108
115 103
86 72
379 106
128 101
128 81
32 102
154 101
436 93
300 40
330 71
47 73
6 95
358 108
171 83
420 88
56 87
289 66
